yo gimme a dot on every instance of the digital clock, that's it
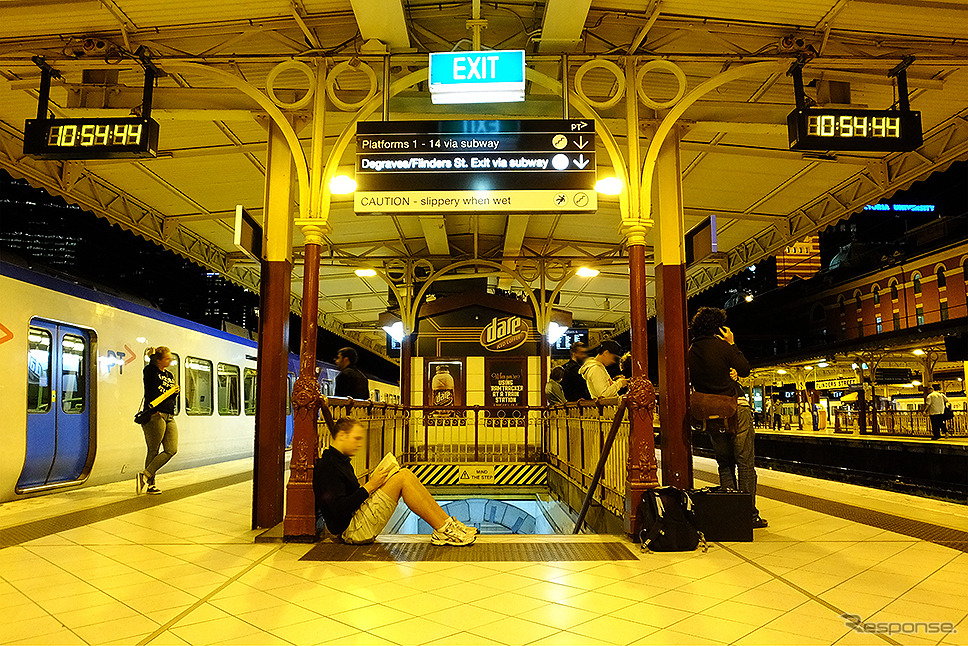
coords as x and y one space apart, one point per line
838 129
96 138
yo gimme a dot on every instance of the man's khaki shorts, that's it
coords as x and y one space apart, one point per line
370 519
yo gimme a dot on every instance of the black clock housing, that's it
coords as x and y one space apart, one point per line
826 129
94 138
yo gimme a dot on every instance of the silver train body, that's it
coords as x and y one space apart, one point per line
71 382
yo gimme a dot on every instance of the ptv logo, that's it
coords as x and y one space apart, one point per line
118 358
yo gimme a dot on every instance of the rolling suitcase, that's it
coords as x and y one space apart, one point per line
723 514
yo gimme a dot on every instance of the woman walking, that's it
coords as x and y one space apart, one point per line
160 431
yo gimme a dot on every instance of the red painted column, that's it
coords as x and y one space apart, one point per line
642 463
670 294
273 352
300 523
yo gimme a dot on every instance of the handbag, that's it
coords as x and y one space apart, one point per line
143 416
948 413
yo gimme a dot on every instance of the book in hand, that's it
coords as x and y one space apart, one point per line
162 397
389 464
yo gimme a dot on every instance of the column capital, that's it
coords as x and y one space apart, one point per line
314 230
634 232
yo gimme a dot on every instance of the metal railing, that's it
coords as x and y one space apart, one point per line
573 438
569 438
901 423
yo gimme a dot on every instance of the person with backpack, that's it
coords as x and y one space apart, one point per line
714 364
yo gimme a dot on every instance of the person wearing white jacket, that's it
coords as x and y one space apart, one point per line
595 371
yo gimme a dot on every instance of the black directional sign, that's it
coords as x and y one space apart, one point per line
475 166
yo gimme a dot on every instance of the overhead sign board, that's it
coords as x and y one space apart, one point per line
248 234
94 138
830 384
475 166
826 129
477 77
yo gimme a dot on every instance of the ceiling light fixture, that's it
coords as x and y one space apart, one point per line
587 272
342 185
609 186
365 272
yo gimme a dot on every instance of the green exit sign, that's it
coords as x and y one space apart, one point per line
495 76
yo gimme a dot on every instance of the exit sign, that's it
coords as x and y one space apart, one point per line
495 76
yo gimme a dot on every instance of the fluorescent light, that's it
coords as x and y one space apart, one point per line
395 331
141 339
781 371
915 383
609 186
919 352
854 366
749 298
365 272
587 272
822 364
808 367
555 332
342 185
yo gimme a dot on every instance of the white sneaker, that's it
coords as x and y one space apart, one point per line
451 534
470 531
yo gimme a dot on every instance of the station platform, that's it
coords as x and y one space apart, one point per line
102 566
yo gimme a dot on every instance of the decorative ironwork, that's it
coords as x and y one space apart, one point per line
641 394
302 462
306 397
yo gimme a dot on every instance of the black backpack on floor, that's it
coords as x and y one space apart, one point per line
667 521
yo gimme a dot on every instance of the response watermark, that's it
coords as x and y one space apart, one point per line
857 624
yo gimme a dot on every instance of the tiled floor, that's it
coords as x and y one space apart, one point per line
189 573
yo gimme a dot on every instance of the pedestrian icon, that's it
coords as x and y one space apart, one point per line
560 199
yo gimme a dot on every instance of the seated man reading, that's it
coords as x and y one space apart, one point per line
358 514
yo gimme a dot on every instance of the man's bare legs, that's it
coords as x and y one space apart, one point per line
404 484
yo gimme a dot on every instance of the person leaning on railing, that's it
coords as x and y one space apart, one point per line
595 371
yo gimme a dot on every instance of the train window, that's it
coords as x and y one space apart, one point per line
228 389
248 387
73 388
198 386
175 372
38 370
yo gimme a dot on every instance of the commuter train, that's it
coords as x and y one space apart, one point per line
71 382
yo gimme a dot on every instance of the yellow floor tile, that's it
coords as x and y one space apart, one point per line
415 631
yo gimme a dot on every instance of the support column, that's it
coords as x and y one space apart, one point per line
670 295
642 465
273 353
300 523
307 400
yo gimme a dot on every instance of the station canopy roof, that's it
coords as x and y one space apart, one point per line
735 156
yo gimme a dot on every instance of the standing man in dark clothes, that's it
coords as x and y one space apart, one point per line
714 362
572 383
350 382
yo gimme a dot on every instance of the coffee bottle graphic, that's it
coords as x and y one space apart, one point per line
442 387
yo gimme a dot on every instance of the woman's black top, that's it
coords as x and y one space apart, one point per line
158 382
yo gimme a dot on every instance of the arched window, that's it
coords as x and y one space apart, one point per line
876 291
818 314
916 280
964 270
842 304
942 281
894 291
857 296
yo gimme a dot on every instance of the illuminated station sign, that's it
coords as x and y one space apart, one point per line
95 138
475 166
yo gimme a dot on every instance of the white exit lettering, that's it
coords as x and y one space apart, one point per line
467 68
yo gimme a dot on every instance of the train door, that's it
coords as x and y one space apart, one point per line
58 405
